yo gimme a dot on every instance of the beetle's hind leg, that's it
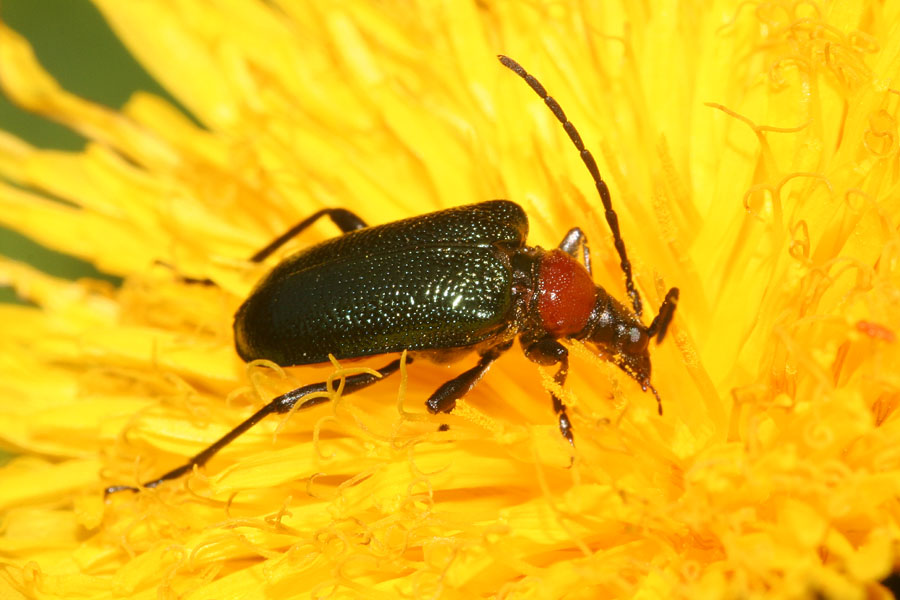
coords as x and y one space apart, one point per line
278 405
345 220
547 351
444 399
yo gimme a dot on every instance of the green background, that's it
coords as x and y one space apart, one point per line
74 44
72 41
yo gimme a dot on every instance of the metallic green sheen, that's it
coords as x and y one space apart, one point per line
439 281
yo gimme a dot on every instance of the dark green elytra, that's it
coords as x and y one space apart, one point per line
445 276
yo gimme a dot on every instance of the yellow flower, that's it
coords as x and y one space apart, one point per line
752 153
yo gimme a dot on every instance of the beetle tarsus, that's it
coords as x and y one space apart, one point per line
658 399
565 426
660 323
345 220
548 351
115 489
278 405
205 281
444 399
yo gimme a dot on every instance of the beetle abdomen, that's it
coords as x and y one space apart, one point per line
421 298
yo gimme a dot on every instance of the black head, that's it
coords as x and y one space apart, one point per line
620 335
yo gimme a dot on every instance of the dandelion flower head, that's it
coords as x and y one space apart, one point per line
752 153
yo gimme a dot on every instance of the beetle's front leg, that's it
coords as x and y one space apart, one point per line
574 239
444 399
548 351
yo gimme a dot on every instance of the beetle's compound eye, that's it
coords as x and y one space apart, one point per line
635 341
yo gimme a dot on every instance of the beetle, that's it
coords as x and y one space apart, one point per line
440 285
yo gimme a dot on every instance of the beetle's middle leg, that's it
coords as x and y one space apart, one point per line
547 351
345 220
444 399
571 242
279 405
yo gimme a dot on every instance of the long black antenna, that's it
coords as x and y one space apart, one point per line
591 165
